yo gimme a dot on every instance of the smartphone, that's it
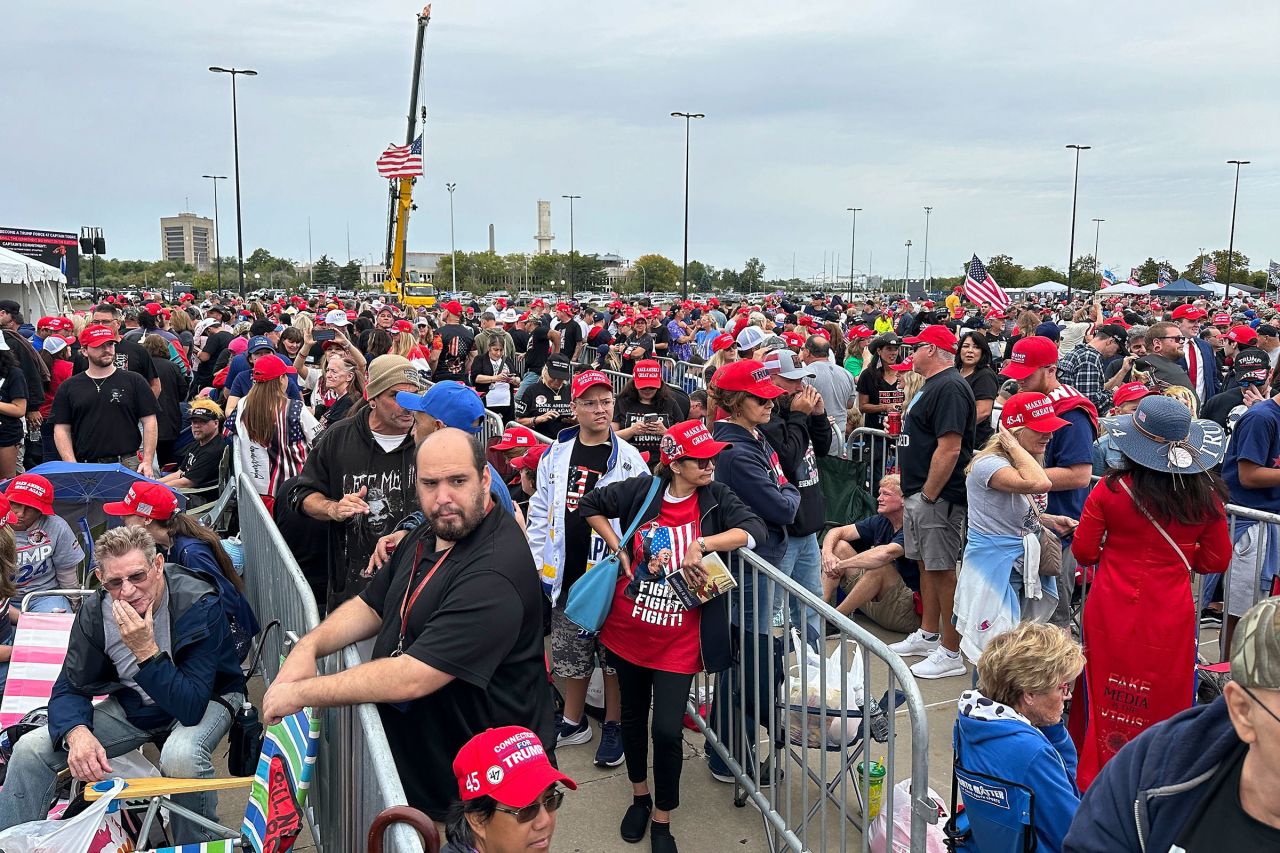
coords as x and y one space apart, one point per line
652 418
320 335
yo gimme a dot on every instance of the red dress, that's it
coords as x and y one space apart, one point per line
1140 624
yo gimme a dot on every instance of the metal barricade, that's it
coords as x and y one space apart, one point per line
668 366
817 775
876 448
689 377
492 429
617 380
356 776
1263 541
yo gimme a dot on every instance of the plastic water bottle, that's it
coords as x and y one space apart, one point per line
245 741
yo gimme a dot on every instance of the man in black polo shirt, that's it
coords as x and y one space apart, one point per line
96 413
470 655
198 468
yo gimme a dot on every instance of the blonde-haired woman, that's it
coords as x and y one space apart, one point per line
1186 397
999 583
1011 725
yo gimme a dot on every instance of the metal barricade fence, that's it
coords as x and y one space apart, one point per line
1258 546
617 380
876 448
492 429
668 367
355 775
819 767
689 377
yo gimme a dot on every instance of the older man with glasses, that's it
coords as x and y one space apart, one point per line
155 640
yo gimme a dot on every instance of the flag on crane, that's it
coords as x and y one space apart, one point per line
981 288
401 161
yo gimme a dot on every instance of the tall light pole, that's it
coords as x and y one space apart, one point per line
217 224
571 250
1097 235
684 275
1231 242
453 253
235 136
1075 186
927 211
906 277
853 247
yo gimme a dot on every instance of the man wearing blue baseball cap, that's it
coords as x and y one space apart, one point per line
444 404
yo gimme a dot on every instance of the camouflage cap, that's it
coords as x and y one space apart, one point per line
1255 651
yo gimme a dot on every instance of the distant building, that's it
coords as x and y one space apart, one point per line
420 267
189 239
544 235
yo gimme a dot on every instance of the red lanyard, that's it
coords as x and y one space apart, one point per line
406 604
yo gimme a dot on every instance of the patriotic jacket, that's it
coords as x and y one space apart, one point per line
719 509
546 524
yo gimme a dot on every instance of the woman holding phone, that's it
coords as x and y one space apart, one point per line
645 409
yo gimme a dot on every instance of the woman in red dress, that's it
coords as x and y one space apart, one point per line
1140 622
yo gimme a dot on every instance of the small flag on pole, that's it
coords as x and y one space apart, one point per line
981 288
1164 276
1108 278
1208 270
1273 273
401 161
1133 275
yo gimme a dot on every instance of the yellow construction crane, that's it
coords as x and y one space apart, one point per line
398 283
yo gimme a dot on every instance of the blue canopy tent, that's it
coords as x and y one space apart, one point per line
1183 288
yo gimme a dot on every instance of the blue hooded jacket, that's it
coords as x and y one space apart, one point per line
1155 786
1043 759
745 467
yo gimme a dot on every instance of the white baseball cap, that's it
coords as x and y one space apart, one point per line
336 317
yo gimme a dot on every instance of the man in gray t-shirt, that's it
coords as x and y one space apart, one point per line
125 661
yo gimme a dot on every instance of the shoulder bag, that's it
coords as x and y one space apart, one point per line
591 595
1050 545
1159 529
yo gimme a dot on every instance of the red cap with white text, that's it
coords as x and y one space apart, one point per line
508 764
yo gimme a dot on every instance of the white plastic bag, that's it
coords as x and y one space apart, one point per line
97 829
808 689
877 836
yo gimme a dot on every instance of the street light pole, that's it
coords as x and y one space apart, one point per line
684 275
1075 186
453 252
217 225
927 211
1231 243
906 277
571 249
235 136
1097 235
853 247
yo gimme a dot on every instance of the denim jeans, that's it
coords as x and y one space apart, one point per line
187 753
525 381
803 564
45 603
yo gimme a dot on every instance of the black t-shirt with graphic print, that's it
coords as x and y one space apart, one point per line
587 463
456 343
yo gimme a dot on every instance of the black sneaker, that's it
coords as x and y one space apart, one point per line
1209 616
636 822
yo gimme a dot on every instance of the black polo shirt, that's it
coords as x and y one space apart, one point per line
478 619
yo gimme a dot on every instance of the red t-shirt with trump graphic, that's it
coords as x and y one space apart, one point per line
647 625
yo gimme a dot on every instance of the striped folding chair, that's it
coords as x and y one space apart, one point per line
277 792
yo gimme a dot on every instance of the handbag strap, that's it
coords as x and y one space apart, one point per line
1159 527
635 522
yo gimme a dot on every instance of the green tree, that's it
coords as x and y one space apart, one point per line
659 273
1083 276
1149 270
349 275
1239 267
325 272
752 274
1041 274
1006 273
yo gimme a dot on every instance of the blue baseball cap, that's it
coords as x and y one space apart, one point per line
260 343
451 403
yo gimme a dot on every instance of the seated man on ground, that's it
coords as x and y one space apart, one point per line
868 559
155 640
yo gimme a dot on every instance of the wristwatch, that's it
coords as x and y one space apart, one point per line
702 544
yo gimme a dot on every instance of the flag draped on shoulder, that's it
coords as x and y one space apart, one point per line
981 288
401 161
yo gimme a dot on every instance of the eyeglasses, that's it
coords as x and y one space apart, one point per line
594 404
550 802
703 464
133 579
1172 338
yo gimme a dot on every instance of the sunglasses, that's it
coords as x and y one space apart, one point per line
551 802
763 401
703 464
133 579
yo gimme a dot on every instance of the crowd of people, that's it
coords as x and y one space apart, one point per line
1047 481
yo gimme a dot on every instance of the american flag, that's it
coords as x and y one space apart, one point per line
660 538
1208 270
401 161
1109 278
981 288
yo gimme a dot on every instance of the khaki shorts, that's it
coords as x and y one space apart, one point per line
933 533
893 610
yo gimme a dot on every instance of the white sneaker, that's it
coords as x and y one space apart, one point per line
914 644
939 664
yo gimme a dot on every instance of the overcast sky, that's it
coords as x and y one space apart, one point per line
812 107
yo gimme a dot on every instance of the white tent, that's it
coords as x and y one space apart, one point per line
1122 289
1047 287
39 288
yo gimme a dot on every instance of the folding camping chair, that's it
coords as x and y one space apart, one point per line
851 749
288 758
998 815
39 647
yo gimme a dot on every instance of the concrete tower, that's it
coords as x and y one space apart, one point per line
544 235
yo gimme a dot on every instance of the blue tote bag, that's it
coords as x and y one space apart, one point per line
591 595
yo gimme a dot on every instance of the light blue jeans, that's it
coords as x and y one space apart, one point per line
803 564
187 753
525 382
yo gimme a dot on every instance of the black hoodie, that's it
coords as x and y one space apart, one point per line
799 439
345 459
